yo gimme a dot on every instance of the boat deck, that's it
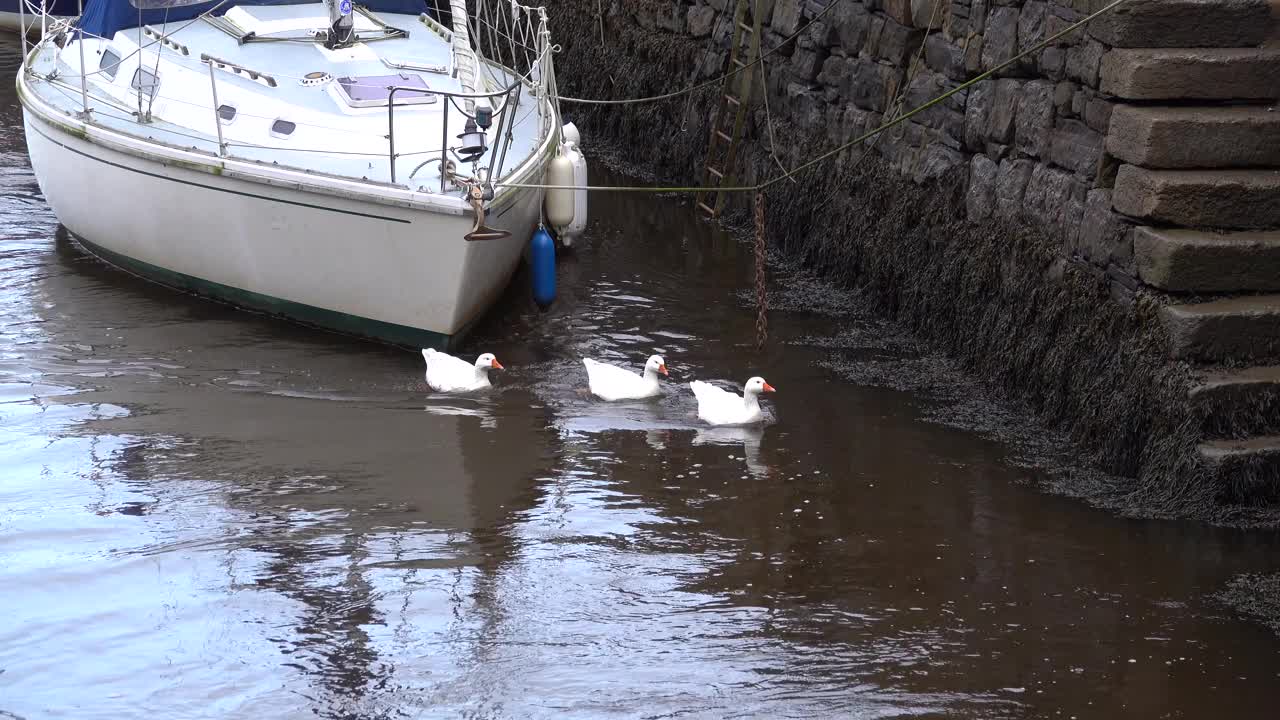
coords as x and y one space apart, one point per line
281 116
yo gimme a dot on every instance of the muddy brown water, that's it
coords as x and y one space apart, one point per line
210 514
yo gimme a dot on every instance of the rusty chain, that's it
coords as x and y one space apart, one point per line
762 299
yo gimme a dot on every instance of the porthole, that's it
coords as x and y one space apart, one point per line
283 128
226 113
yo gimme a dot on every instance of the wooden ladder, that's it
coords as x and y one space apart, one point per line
722 150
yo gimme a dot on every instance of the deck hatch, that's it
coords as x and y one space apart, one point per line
372 90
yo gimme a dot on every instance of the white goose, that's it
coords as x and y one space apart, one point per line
446 373
720 407
609 382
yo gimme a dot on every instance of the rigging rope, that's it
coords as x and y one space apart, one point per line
688 189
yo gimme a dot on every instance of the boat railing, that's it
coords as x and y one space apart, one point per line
527 50
505 115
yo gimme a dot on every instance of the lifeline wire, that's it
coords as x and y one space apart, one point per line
685 189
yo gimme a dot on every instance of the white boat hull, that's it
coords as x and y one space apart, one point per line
391 272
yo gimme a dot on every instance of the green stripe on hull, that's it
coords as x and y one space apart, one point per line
332 320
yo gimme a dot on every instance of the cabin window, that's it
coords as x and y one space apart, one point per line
109 64
226 113
283 128
146 82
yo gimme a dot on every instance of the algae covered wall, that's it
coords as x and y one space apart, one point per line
988 223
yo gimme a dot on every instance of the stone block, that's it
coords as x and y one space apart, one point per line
980 201
1063 93
1076 147
944 56
929 14
1000 40
806 63
899 10
872 84
1031 24
819 36
1053 63
1191 137
1233 329
1053 198
1011 185
1097 113
898 43
852 23
973 54
1237 199
1103 234
1059 19
936 162
1180 260
788 16
1034 117
1083 62
837 72
1185 23
976 112
947 116
1196 74
848 122
700 20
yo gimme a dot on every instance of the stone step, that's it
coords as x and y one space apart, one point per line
1195 137
1179 260
1185 23
1237 199
1247 471
1192 74
1245 328
1235 402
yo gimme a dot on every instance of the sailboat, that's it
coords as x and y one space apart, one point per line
368 168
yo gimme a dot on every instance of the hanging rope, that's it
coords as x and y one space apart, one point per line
689 189
762 297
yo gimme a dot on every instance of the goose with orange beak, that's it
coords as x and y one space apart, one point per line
446 373
720 407
609 382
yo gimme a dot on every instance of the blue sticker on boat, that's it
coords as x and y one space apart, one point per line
344 7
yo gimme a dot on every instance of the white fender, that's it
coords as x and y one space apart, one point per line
559 202
579 161
569 132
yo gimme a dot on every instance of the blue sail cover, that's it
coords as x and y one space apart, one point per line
104 18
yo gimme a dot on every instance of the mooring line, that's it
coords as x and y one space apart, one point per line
687 189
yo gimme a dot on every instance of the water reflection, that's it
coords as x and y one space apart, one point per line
748 438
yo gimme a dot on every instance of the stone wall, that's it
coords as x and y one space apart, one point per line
1096 169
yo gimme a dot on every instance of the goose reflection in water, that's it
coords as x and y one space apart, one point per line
747 437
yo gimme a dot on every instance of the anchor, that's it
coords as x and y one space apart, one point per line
480 231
